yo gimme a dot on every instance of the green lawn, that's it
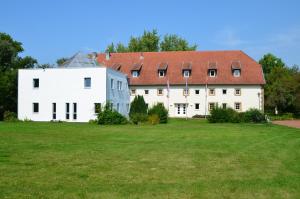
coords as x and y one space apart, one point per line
182 159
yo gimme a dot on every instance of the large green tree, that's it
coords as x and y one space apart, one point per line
270 61
10 62
150 42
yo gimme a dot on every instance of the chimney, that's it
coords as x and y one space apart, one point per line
107 56
142 56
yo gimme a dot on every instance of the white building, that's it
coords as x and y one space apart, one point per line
191 83
73 92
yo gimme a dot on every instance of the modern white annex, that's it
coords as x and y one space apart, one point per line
72 92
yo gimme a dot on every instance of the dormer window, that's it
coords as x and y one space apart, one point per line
212 69
135 73
236 72
186 69
186 73
136 69
162 69
236 68
212 72
161 73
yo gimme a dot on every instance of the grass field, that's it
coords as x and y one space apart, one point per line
182 159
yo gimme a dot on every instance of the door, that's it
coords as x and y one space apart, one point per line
181 110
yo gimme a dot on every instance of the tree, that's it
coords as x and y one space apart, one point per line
138 110
10 62
270 61
61 61
175 43
150 42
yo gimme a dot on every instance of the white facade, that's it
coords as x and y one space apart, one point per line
60 86
179 105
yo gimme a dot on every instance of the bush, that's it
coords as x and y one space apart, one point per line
198 116
110 116
222 115
285 116
10 116
254 115
153 119
138 118
160 110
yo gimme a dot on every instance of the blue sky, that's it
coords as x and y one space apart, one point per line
50 29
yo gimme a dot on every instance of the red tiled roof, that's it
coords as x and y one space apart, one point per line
251 70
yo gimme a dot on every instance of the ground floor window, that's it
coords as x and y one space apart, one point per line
238 106
224 105
197 106
211 106
35 107
67 111
118 107
54 111
74 111
97 107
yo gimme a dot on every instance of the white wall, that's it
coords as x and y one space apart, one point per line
61 86
249 97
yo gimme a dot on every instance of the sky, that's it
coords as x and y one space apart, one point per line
51 29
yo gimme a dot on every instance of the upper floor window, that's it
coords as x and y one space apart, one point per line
36 83
146 92
212 72
186 73
112 83
237 91
224 91
133 92
119 85
236 72
160 91
186 92
87 82
211 91
135 73
197 92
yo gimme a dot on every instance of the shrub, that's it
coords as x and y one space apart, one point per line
138 110
93 121
9 116
110 116
254 115
153 119
198 116
221 115
138 118
160 110
285 116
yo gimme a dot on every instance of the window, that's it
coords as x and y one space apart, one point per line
112 84
97 107
161 73
160 91
186 92
211 91
186 73
184 109
211 106
119 85
36 83
118 107
74 111
238 106
87 82
54 111
212 72
135 73
237 91
224 91
197 106
197 92
236 72
146 92
133 91
67 111
127 108
35 107
224 105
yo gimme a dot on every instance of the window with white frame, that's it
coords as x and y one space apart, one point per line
135 73
74 111
87 82
238 106
67 111
237 91
211 91
211 105
112 82
236 72
54 111
186 92
146 92
186 73
161 73
36 83
133 91
212 72
118 107
224 105
160 91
